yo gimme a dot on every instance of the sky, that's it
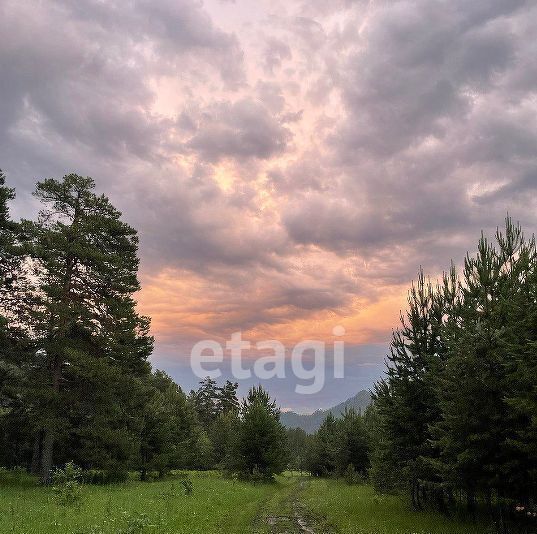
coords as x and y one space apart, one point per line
289 165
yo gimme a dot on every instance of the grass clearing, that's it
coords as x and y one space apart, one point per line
291 505
217 505
359 510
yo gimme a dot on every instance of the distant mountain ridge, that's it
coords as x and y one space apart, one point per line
311 423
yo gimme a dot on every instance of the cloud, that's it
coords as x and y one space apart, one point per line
289 167
242 129
418 71
276 52
82 72
430 125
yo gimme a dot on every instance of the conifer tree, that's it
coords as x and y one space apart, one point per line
322 455
405 401
167 426
227 397
352 444
259 449
299 443
206 401
86 266
488 345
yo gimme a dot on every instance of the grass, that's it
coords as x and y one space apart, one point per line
216 506
358 510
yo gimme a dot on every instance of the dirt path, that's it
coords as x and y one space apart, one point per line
285 513
291 523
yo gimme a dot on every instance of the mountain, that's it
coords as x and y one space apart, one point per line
311 423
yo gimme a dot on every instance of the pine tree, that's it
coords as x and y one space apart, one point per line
487 344
167 426
222 434
405 401
322 458
227 398
259 449
8 231
519 344
258 395
456 413
299 442
86 266
206 401
352 444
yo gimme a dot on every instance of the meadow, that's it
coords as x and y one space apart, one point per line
359 510
216 505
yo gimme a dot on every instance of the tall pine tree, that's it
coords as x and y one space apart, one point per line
86 266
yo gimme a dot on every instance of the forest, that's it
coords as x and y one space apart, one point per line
452 427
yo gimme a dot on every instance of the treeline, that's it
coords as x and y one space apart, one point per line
456 415
340 448
75 380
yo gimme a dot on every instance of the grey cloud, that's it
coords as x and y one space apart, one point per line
74 71
523 190
189 222
169 28
310 30
243 129
276 52
323 8
431 118
304 174
418 69
270 94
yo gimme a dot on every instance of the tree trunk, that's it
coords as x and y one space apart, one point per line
418 496
470 503
46 458
48 439
36 454
440 501
413 495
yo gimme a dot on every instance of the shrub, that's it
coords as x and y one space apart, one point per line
351 476
94 476
66 484
188 486
103 476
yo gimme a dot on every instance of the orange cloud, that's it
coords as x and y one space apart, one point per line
186 307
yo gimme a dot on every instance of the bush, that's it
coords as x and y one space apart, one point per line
17 476
255 476
103 476
188 486
351 476
94 476
66 484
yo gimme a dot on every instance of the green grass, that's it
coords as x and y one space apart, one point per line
216 506
358 510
